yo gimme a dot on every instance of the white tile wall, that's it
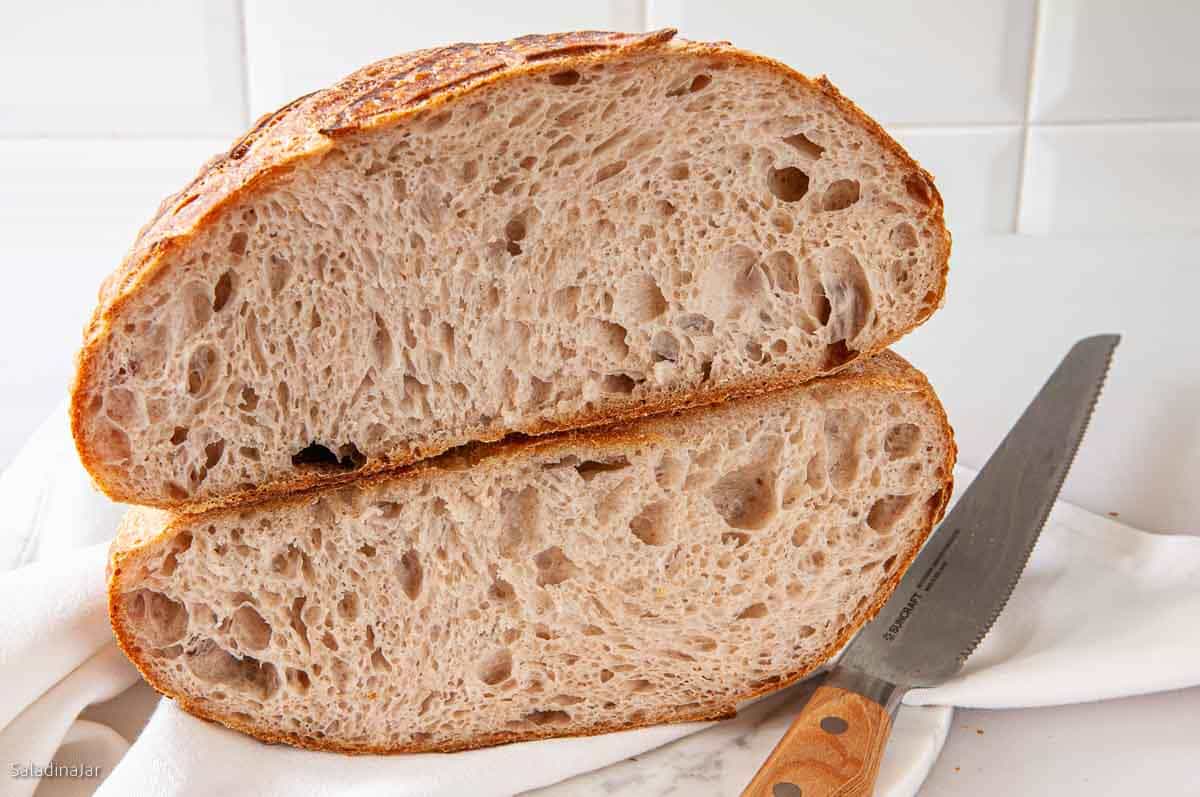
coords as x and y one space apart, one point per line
1043 116
133 68
1111 179
977 171
931 62
297 46
1106 60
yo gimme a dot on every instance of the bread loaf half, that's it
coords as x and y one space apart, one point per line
456 244
577 583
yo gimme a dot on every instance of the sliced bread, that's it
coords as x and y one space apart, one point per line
456 244
658 571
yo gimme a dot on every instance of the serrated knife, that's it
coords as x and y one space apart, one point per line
948 599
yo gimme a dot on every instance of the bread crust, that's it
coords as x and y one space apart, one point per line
145 528
385 94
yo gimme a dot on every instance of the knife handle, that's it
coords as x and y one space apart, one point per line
834 747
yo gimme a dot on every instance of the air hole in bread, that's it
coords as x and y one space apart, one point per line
840 195
590 469
804 145
382 348
638 685
237 243
553 567
388 510
411 574
788 184
664 347
520 519
919 189
213 452
749 281
296 621
250 629
755 611
837 354
249 399
678 171
501 591
611 170
112 443
849 293
652 525
278 274
783 274
886 513
298 681
543 718
348 457
640 298
201 372
903 236
347 607
745 498
222 291
610 338
160 619
901 441
695 324
566 78
514 230
843 433
248 676
735 539
286 563
496 667
782 221
690 86
379 662
179 545
622 384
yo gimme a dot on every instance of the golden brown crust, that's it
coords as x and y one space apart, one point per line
144 528
385 94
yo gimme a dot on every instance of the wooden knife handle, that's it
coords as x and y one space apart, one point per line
833 748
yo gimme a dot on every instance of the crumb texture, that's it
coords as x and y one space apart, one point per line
555 249
556 588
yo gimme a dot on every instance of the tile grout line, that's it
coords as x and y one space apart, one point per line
1026 125
244 51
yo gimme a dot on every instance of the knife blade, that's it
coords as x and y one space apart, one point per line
949 597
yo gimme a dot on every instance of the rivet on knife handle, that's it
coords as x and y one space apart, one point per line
833 748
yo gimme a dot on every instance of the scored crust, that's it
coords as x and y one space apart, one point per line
144 528
381 95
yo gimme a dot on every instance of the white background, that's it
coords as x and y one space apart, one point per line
1071 126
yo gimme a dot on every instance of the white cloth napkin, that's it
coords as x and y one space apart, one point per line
1102 611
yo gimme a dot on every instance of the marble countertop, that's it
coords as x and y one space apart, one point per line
1114 747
